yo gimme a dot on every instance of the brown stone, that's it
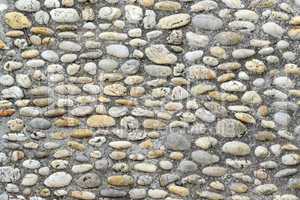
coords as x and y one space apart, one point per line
82 133
17 20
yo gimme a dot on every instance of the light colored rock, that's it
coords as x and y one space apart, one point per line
100 121
58 179
174 21
65 15
236 148
159 54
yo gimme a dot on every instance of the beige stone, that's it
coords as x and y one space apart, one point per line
82 133
121 180
17 20
153 124
100 121
178 190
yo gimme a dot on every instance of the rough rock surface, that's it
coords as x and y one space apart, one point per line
149 99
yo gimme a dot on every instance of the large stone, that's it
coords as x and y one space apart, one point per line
177 142
236 148
229 38
120 180
28 5
207 22
159 54
9 174
204 158
115 90
158 70
273 29
58 179
89 180
174 21
17 20
230 128
100 121
232 3
65 15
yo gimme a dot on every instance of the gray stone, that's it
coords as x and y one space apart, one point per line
40 123
158 70
28 5
204 158
9 174
89 180
207 22
230 128
177 142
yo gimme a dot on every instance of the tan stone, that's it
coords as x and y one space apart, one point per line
244 117
100 121
174 21
82 133
115 90
17 20
155 154
42 31
28 54
14 34
145 167
167 6
2 45
67 122
153 124
146 3
295 20
223 96
85 195
122 180
76 145
178 190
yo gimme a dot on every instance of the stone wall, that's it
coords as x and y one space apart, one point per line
149 99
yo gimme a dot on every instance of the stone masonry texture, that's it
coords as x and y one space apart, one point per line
149 99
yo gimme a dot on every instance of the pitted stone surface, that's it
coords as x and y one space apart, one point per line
149 99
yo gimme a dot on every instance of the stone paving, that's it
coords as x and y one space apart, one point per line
149 99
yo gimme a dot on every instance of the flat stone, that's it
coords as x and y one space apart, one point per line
177 142
265 189
207 22
117 50
58 180
9 174
145 167
85 195
122 180
214 171
230 128
174 21
40 123
17 20
28 5
100 121
159 54
82 133
89 180
112 193
133 14
232 3
273 29
158 70
236 148
115 90
65 15
204 158
229 38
